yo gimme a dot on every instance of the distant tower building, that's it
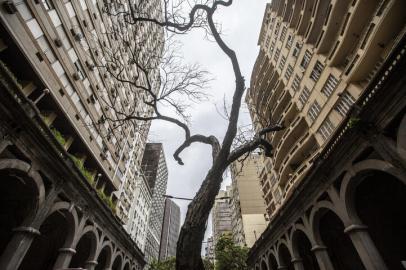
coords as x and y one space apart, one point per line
249 218
210 249
170 230
156 174
222 214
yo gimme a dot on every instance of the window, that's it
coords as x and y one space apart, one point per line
289 42
326 129
317 70
282 63
272 46
288 73
296 83
277 54
297 49
329 86
344 104
304 96
47 4
306 59
314 111
79 70
267 41
283 33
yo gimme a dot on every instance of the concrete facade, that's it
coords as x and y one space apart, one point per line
316 59
222 214
347 212
156 174
249 217
170 230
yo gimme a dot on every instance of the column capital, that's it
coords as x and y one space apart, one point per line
28 230
67 250
318 248
282 267
296 260
91 262
355 228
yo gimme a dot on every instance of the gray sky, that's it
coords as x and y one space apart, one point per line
241 25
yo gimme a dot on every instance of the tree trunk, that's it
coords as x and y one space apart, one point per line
188 252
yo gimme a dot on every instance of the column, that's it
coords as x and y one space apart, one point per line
365 247
23 236
17 247
64 258
298 263
322 257
90 265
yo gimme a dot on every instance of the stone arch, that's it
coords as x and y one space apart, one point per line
86 247
104 256
356 175
401 138
126 264
331 230
18 177
264 266
302 248
117 261
284 255
56 231
272 261
316 213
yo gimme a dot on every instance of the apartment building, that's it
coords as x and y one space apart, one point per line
334 73
170 230
209 249
249 217
55 53
221 214
156 174
316 59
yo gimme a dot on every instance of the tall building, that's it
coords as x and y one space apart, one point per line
156 174
221 214
249 217
334 72
50 56
170 230
313 65
209 249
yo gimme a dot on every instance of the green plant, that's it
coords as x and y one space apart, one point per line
85 172
229 256
354 121
58 136
106 199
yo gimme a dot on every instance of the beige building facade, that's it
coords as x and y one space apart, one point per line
249 217
316 59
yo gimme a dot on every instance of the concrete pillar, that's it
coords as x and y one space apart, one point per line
64 258
298 263
365 247
90 265
322 257
17 247
23 236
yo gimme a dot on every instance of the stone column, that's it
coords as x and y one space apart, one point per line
322 257
282 267
23 236
365 247
298 263
17 247
64 258
90 265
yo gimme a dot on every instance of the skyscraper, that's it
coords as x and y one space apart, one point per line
334 73
221 214
170 230
53 57
249 217
156 174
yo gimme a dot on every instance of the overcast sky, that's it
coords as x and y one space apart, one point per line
241 25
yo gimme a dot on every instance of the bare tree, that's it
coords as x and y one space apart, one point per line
178 85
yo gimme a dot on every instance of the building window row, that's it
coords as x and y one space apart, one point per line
306 59
329 86
314 111
317 70
304 96
326 129
296 83
289 42
282 63
288 73
344 104
296 49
